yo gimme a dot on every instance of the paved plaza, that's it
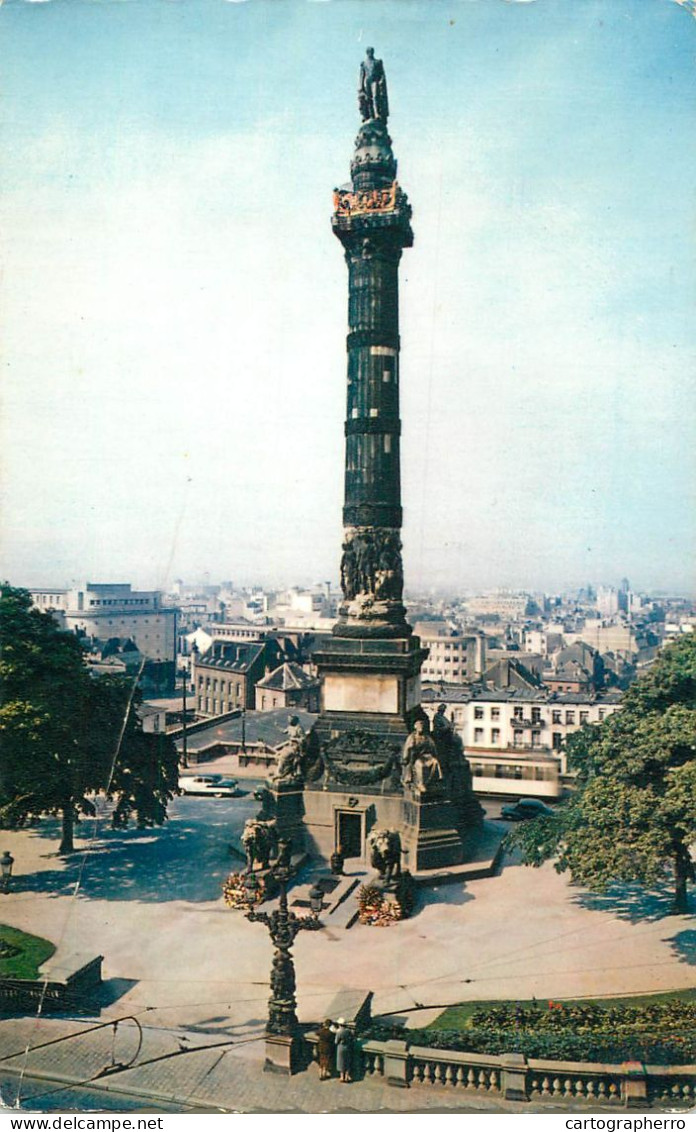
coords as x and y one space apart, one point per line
193 970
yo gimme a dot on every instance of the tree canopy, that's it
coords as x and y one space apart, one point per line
65 736
633 814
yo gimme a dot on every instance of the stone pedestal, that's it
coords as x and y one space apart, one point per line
376 681
431 834
513 1085
635 1085
396 1064
288 809
284 1054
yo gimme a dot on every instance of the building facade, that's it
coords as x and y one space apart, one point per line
452 658
109 611
515 738
225 677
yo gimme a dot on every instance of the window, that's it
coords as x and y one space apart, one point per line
584 717
601 714
556 717
536 738
536 715
517 713
517 738
478 735
570 717
495 735
495 713
478 713
556 740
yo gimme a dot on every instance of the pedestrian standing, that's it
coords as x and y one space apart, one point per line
326 1046
344 1049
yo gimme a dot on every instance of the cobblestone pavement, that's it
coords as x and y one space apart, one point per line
221 1078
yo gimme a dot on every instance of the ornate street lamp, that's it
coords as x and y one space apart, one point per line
6 863
282 1038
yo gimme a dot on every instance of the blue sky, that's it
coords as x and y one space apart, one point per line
175 303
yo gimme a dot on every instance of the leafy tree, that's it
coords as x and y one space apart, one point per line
634 811
65 736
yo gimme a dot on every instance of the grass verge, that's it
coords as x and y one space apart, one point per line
21 954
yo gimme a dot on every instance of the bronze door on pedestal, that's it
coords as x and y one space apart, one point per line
349 833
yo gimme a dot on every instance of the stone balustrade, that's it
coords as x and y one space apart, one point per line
514 1077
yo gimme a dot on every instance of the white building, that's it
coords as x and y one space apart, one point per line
452 659
607 601
105 611
515 738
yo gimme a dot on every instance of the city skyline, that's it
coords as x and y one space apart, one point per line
175 302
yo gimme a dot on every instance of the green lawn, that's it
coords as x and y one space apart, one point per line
458 1017
21 955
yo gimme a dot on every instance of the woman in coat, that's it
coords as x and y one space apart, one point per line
344 1049
325 1049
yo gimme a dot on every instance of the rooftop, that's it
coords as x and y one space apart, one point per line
263 728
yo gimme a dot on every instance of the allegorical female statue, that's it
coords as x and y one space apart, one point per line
422 770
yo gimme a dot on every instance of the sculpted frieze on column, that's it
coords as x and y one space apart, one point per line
371 565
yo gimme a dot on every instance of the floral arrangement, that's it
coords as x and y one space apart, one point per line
375 909
236 895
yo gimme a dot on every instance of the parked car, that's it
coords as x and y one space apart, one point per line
524 809
212 785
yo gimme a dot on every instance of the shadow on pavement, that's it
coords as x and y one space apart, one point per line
188 858
112 990
443 894
629 902
683 944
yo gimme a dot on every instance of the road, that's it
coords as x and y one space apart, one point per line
29 1094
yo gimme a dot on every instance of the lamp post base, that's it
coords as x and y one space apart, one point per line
284 1054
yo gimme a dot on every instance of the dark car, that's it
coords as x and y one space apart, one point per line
524 809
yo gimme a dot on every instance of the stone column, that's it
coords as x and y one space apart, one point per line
372 221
